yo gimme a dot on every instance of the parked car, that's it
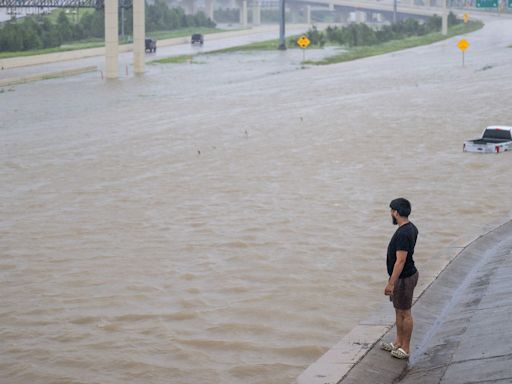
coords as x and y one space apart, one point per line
150 45
495 139
197 38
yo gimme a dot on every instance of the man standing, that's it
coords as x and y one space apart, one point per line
403 276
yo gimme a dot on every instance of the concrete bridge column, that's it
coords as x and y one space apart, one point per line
377 17
208 5
295 9
111 39
344 17
444 28
139 27
243 12
256 12
308 14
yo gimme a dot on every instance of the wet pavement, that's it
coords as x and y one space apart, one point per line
462 329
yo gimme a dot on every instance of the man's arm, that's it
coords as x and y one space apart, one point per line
401 256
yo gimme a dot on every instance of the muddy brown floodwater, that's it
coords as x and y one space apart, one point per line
227 221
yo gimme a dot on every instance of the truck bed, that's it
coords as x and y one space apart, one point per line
488 141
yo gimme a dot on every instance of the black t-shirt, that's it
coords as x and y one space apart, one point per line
404 239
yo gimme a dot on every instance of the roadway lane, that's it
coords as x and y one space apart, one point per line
167 48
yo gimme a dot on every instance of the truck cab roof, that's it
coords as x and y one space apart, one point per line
500 128
497 132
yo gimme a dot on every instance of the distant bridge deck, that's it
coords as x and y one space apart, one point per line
386 6
59 3
376 5
51 3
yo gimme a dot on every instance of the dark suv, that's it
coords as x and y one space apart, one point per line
150 45
197 38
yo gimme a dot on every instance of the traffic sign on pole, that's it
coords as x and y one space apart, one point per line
303 41
463 45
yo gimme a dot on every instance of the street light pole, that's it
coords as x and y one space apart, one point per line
282 42
394 11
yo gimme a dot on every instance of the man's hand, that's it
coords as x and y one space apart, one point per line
388 291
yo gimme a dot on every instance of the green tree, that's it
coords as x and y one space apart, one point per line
12 37
452 19
316 37
50 37
31 34
64 27
433 24
98 24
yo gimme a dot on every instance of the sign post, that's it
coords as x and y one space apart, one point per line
304 42
463 45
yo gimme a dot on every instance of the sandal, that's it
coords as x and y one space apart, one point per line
388 346
400 354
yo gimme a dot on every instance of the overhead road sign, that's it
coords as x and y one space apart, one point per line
487 3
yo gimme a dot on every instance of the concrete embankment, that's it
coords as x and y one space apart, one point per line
462 330
47 75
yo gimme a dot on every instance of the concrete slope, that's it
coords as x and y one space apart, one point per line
462 329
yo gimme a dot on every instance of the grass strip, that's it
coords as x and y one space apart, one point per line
353 54
397 45
174 60
268 45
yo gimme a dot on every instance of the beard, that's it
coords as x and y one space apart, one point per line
393 220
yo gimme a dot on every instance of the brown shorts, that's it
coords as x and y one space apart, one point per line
404 290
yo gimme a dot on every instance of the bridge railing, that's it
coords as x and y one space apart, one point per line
52 4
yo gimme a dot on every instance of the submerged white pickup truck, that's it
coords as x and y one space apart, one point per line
495 139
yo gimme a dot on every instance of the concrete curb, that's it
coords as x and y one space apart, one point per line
46 76
337 362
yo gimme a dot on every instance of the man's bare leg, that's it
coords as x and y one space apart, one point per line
404 326
399 326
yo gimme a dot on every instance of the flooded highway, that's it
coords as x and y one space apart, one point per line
226 221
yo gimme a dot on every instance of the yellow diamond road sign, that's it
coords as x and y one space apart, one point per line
463 45
303 42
